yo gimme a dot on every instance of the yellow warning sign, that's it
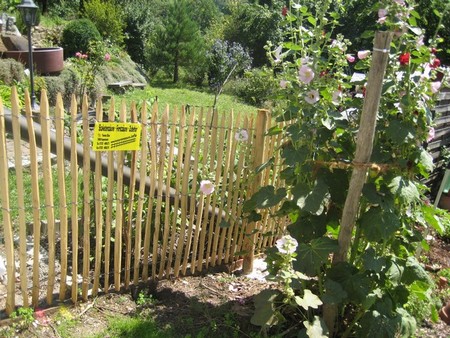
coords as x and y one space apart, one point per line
111 136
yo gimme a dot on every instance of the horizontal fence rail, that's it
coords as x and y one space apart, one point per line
85 221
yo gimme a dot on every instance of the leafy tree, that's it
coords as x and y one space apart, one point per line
204 13
252 25
178 41
225 60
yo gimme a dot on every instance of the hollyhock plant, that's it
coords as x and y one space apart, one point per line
319 126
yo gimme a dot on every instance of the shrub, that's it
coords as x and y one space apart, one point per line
11 71
108 19
77 35
256 87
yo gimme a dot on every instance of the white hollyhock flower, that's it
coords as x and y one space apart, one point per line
206 187
287 244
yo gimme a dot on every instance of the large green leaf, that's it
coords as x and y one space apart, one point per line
400 132
334 293
313 200
308 228
405 189
309 300
265 314
312 256
266 197
373 262
414 272
293 156
379 224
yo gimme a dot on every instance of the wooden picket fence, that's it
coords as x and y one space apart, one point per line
113 219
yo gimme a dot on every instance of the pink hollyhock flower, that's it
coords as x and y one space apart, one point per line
362 54
305 74
241 135
435 86
404 58
78 54
350 58
382 13
431 134
283 84
287 244
107 57
400 2
206 187
312 96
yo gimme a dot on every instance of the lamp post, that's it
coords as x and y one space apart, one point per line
28 10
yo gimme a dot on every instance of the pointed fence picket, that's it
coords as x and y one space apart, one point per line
110 219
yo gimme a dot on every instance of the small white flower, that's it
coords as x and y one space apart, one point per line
312 96
277 54
27 72
431 134
287 244
283 84
241 135
206 187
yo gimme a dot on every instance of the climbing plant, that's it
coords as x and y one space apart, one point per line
367 292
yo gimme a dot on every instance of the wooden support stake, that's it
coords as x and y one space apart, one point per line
364 146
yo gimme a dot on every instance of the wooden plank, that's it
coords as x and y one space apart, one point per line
204 204
74 213
170 155
193 194
98 203
161 166
177 184
141 194
228 234
15 112
86 200
109 203
63 214
216 129
173 249
7 225
153 166
119 209
48 187
184 186
228 151
131 192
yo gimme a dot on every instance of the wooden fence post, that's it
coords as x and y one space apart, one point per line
258 158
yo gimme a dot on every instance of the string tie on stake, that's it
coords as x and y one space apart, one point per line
382 50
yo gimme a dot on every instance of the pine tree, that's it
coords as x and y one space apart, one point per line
179 42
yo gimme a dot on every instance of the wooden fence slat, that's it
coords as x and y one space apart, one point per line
202 222
238 195
131 191
170 155
98 189
228 234
195 217
49 201
161 156
140 205
109 203
7 225
227 169
177 184
119 209
214 228
185 165
86 200
193 192
74 213
153 166
15 111
63 215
